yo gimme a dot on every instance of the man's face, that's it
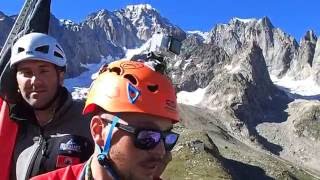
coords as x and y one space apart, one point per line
130 161
37 82
162 166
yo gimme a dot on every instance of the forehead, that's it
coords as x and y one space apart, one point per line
34 64
147 121
140 120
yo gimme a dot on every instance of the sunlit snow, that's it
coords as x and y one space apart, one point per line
141 50
245 20
204 35
191 98
298 89
78 86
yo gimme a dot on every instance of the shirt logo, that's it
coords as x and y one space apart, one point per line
70 146
64 161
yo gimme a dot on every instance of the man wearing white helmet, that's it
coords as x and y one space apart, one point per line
51 131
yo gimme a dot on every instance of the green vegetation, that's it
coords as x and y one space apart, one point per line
190 162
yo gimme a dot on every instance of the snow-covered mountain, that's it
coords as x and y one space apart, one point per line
103 33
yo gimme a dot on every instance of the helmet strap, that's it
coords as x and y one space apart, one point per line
103 156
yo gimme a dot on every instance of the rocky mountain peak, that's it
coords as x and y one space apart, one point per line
266 22
140 7
2 14
4 17
147 20
6 23
305 62
278 48
141 14
310 36
98 15
240 21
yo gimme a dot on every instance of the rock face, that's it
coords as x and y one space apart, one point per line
245 84
238 87
197 64
277 47
6 23
316 63
303 61
82 45
283 55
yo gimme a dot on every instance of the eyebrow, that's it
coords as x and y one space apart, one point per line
27 67
132 125
22 68
44 66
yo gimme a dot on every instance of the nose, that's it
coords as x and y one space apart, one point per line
35 79
159 150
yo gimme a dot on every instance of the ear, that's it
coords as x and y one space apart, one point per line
61 77
96 129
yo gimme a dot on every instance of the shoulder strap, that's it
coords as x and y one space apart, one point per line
8 133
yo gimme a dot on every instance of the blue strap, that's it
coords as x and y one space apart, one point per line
107 146
103 153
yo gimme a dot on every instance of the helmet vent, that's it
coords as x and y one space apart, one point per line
59 47
116 70
153 88
58 54
131 78
20 49
43 49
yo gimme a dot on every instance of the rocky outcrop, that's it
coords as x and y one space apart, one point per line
316 63
6 23
305 119
302 63
197 65
277 47
113 27
82 45
244 88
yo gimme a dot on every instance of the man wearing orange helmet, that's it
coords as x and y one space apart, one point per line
134 108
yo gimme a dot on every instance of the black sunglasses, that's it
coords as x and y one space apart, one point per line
147 139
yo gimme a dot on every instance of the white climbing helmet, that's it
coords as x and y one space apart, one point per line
38 46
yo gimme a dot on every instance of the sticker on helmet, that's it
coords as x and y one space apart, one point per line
133 93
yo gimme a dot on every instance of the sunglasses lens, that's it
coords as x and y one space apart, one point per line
170 140
147 139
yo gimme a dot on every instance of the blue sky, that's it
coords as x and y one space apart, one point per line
293 16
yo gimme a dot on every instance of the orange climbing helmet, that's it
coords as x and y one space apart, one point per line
131 86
